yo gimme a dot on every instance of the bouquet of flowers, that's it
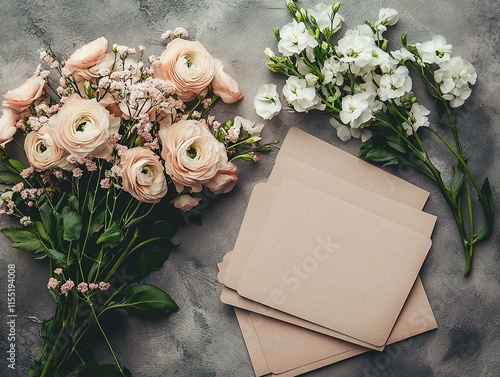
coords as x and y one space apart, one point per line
111 139
368 92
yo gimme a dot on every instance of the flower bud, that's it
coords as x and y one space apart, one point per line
88 89
269 53
290 4
336 6
115 48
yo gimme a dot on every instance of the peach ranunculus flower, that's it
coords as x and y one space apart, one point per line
185 202
86 56
192 155
224 85
191 68
143 175
21 98
42 150
225 179
84 127
7 126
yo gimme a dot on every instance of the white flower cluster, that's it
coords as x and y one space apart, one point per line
356 78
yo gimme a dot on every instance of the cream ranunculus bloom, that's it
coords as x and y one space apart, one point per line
84 127
7 126
143 175
189 66
22 97
225 179
192 154
185 202
42 150
86 56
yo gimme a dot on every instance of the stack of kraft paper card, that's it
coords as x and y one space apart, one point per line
326 263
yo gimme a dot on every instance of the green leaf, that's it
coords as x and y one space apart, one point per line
72 224
58 257
457 183
24 239
382 156
46 216
112 236
16 165
59 227
92 368
9 178
486 201
97 222
40 228
146 299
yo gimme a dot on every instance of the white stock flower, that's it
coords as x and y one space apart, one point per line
418 118
344 132
436 50
356 109
358 47
332 71
250 127
395 84
455 76
267 101
403 55
323 14
300 96
387 17
294 38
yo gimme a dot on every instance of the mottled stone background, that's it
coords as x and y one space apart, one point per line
203 338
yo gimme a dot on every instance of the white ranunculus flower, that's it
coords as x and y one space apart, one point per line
84 127
294 38
387 17
267 101
455 76
323 14
436 50
356 109
299 95
418 118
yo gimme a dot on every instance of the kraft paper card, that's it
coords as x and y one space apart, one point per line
324 156
287 167
353 252
283 349
259 204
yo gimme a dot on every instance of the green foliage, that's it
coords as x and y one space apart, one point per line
25 239
112 236
145 299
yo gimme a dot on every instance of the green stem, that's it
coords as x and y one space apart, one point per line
117 362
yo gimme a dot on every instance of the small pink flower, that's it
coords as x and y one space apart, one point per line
58 271
82 287
53 283
93 286
104 286
67 287
77 172
18 187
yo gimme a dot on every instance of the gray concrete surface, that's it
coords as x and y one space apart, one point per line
203 338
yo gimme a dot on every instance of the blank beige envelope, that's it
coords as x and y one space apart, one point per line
287 167
315 152
261 199
284 349
312 241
